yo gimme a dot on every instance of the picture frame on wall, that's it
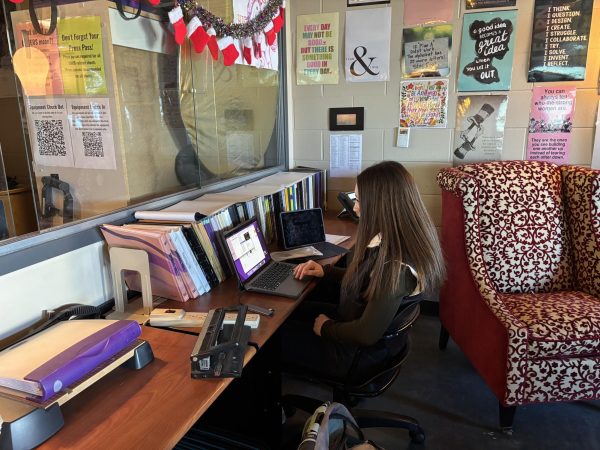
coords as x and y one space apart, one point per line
347 119
366 2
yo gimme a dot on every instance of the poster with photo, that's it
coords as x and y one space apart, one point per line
317 49
426 51
481 4
423 103
25 36
479 133
551 123
368 35
244 11
559 41
420 12
487 48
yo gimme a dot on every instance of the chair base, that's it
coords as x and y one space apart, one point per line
444 337
365 418
372 419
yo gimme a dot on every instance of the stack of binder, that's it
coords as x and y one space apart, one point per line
181 241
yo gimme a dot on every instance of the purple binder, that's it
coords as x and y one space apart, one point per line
83 357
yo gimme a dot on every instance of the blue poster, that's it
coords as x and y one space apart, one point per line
486 52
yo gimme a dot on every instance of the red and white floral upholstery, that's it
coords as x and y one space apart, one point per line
521 240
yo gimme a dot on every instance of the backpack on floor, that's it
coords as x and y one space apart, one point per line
332 427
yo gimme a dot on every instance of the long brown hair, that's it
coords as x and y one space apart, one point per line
390 205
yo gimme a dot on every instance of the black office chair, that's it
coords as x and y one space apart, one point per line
349 390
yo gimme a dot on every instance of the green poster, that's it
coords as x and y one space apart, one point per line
81 56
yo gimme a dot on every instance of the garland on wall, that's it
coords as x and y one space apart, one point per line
205 29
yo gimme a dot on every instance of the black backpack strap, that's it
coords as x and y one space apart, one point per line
122 11
36 23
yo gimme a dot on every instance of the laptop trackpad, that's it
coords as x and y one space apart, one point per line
293 287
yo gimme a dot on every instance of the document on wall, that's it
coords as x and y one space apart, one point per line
91 133
345 154
48 126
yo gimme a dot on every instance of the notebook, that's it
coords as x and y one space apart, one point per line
54 359
251 262
306 228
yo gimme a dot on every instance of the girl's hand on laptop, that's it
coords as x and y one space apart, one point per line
309 268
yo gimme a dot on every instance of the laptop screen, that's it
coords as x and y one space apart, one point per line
303 227
247 248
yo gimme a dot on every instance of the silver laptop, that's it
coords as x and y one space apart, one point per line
306 228
253 266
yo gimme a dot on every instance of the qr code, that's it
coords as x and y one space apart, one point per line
92 143
50 137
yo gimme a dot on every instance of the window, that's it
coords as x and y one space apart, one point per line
143 120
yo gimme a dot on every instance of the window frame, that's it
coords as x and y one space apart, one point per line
23 251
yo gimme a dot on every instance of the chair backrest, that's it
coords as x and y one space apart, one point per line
396 342
581 193
514 221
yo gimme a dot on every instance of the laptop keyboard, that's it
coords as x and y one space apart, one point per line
271 278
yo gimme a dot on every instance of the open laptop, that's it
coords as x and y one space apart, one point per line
251 261
306 228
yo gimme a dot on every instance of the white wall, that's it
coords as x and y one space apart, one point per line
80 276
430 149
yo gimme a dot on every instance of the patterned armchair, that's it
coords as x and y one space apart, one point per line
522 300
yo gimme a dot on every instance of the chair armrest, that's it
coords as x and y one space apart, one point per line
473 311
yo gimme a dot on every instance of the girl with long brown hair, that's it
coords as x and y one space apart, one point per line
397 258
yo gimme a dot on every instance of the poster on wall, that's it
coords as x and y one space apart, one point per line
423 103
481 4
487 48
551 123
317 49
368 34
243 11
479 133
91 135
420 12
48 127
81 55
427 51
25 36
559 41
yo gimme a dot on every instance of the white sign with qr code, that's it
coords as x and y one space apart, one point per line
49 132
91 133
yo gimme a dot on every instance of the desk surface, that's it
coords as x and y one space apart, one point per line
155 406
149 408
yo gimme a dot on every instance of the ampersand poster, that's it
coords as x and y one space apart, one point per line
368 34
487 50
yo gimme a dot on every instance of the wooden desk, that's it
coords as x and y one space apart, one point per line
155 406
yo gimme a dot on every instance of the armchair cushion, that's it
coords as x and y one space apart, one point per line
560 324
